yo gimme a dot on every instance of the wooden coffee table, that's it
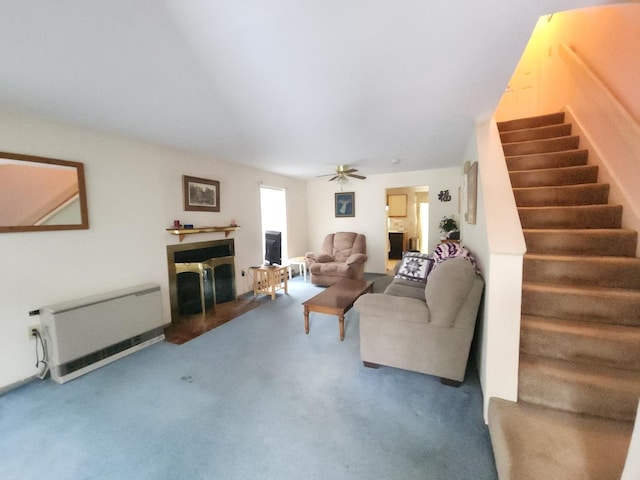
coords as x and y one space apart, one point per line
336 300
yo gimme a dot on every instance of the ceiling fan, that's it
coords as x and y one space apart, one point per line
342 172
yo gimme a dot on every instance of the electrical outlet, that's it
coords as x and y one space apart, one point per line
33 328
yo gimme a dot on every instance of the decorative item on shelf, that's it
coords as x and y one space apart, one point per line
444 196
448 226
233 223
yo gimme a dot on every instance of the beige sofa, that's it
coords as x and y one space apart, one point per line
423 327
342 255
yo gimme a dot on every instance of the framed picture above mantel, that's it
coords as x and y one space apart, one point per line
200 194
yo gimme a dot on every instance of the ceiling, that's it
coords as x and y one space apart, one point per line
289 86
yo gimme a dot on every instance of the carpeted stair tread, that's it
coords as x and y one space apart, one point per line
531 122
569 195
572 217
536 133
596 304
604 242
613 346
534 161
541 146
533 443
546 177
594 270
573 387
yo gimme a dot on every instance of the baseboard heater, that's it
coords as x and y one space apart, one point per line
88 333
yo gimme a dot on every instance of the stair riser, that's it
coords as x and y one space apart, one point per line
609 398
604 243
531 122
595 272
554 176
614 351
589 217
541 146
569 158
604 307
538 133
596 194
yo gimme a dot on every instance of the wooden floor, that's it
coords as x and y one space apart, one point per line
190 326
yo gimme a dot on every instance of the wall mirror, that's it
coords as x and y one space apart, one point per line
39 194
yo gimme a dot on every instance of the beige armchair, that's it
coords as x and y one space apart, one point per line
342 255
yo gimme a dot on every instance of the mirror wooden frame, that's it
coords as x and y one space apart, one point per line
82 195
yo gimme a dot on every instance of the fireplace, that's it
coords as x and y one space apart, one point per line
201 276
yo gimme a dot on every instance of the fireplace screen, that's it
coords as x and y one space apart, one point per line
201 275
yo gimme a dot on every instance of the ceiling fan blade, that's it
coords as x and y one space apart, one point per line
356 176
325 175
332 179
351 170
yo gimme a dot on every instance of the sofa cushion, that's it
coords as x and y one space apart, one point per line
448 286
406 288
415 267
344 244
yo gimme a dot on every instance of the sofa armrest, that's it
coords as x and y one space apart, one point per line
389 306
356 258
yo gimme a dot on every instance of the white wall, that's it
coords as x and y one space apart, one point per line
370 202
134 192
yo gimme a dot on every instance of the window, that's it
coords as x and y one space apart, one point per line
273 205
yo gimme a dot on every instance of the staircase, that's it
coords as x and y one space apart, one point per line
579 374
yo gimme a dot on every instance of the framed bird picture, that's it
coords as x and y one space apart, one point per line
345 204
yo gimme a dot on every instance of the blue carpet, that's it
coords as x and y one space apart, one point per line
255 398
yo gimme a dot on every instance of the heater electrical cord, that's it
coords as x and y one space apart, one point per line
45 357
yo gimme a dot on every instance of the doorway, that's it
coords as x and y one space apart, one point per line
407 222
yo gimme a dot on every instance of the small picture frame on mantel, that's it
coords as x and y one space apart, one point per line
201 194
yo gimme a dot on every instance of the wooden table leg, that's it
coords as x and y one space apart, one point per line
341 320
306 319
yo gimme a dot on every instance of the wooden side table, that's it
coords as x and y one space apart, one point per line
268 280
301 262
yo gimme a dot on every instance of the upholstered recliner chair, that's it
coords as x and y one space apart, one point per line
342 255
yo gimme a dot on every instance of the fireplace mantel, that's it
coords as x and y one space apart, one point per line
181 232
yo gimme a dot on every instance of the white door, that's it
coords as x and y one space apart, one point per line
520 98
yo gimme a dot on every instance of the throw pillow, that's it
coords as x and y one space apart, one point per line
448 250
415 267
